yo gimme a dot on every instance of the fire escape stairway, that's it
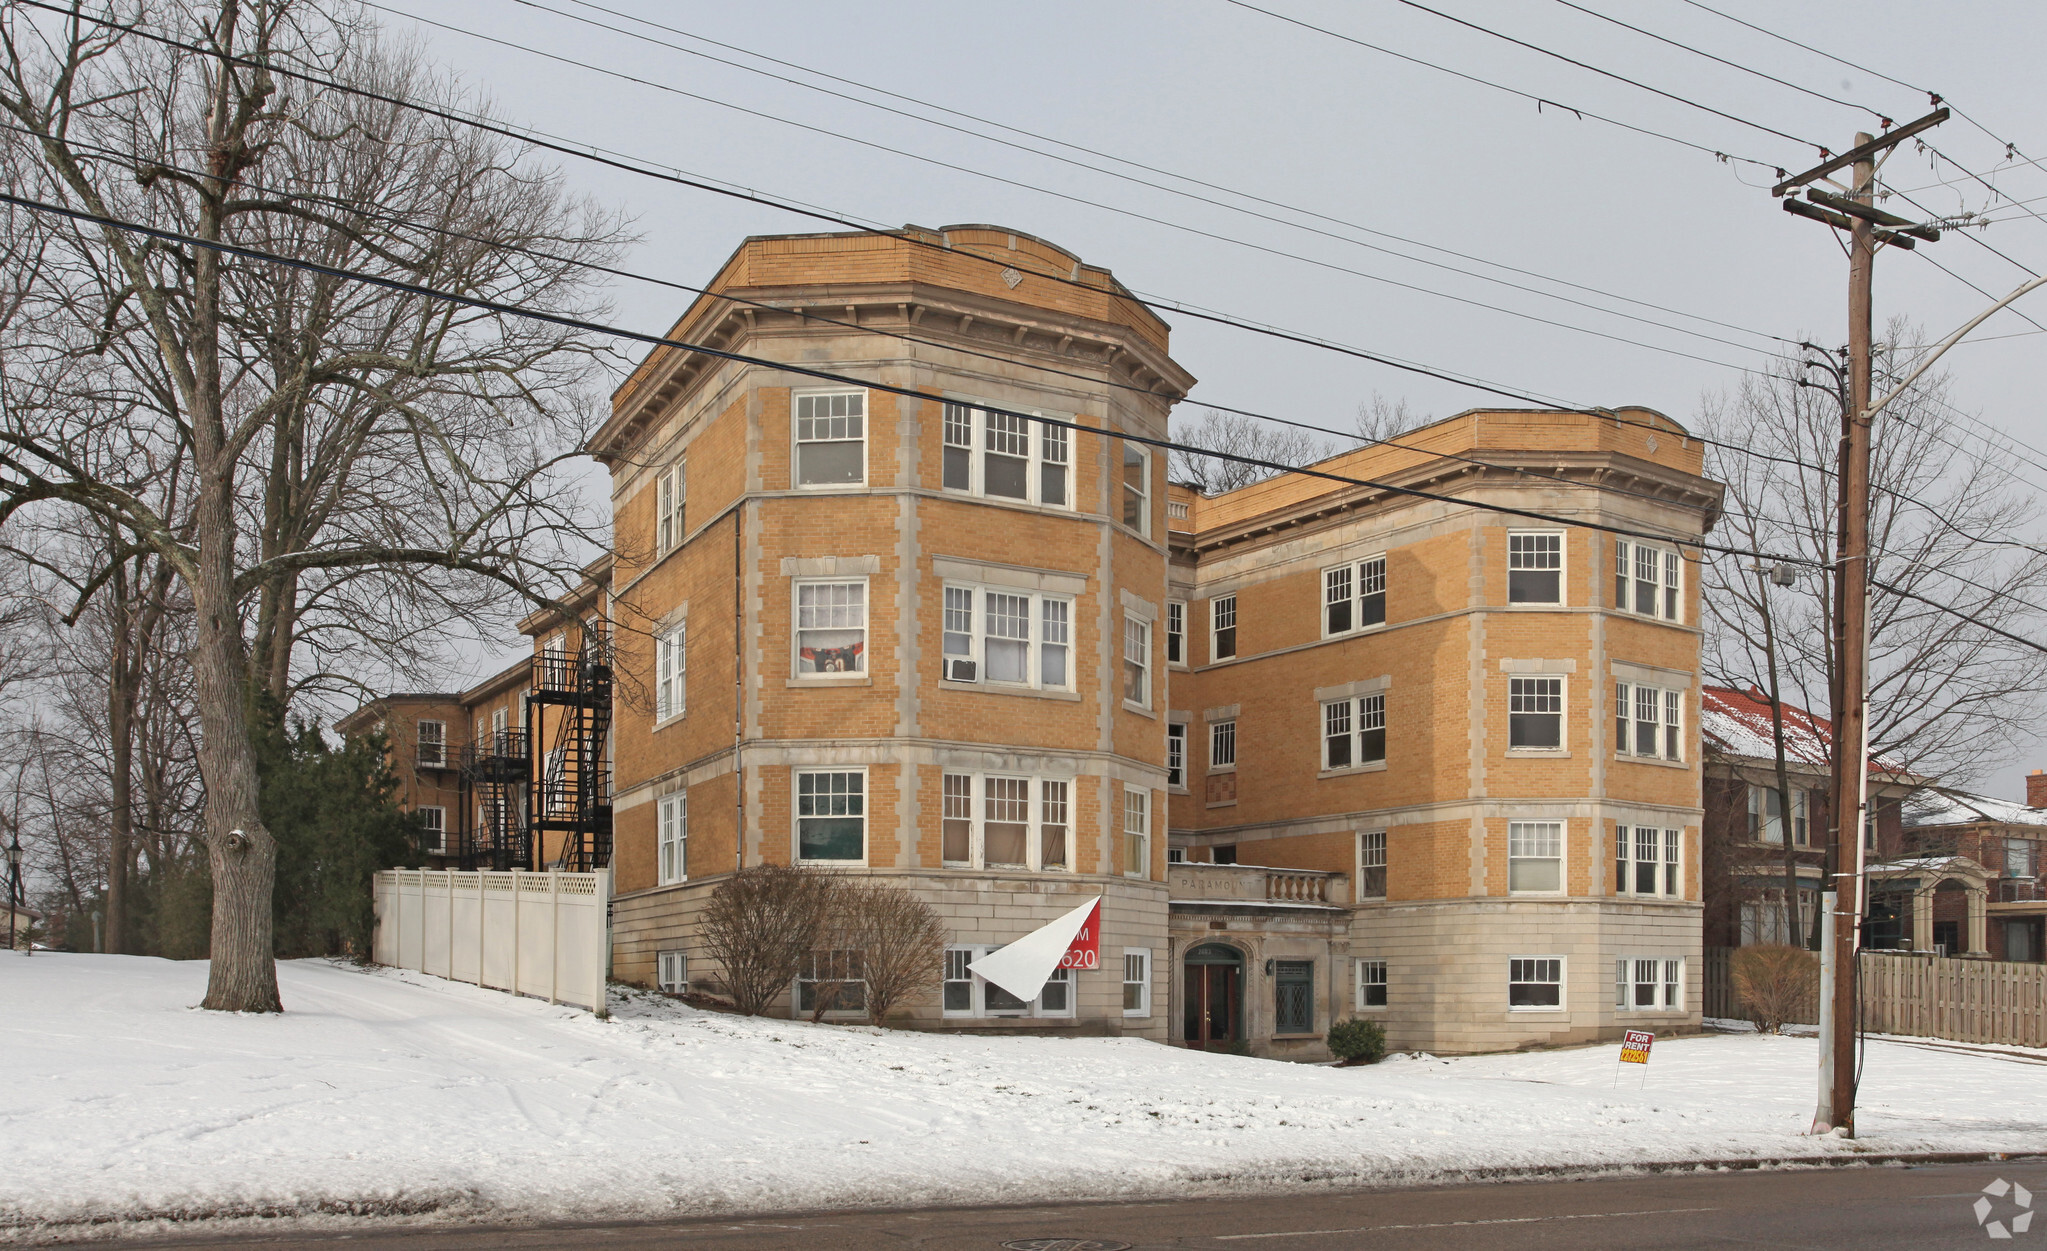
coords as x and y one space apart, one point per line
570 791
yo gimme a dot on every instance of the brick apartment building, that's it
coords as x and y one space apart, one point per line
1324 749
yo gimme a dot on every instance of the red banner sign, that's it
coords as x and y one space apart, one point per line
1635 1046
1085 951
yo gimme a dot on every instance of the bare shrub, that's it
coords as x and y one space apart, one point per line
900 942
760 925
1776 984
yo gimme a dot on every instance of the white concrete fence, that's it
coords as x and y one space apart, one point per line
539 934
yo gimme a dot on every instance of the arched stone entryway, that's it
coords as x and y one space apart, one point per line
1213 997
1902 896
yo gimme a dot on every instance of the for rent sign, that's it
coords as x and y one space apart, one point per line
1635 1046
1085 951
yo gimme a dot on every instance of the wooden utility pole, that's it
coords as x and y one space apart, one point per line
1847 806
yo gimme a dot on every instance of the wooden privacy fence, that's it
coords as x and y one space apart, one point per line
1720 999
540 934
1978 1001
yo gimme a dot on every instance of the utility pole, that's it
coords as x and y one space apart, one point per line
1867 226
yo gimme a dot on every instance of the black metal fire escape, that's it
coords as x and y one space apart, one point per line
495 774
569 785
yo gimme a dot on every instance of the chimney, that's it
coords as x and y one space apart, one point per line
2036 789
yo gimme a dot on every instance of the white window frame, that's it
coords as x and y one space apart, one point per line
2030 858
1041 613
672 838
436 825
1372 847
1761 798
1045 446
797 815
1137 832
846 959
670 506
796 629
1219 607
671 673
797 442
671 971
1664 585
1664 863
1356 713
1222 746
1563 980
1369 973
1176 633
1526 831
1137 960
1562 568
1346 585
1666 724
1665 981
1176 754
438 741
1124 489
1045 798
1137 654
959 955
1563 711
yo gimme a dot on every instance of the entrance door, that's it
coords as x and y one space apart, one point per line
1214 997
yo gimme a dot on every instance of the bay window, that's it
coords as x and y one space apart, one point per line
831 439
831 816
1007 637
1006 456
990 821
1646 860
1648 721
1645 580
831 628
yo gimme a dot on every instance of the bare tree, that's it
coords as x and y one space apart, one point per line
342 446
901 943
759 925
1237 435
1380 419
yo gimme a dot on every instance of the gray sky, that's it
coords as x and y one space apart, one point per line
1239 99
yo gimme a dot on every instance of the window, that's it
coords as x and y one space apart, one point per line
1371 984
1646 860
1293 996
2021 857
965 994
831 628
1137 662
1535 712
674 837
1354 596
433 744
1535 982
1136 832
1354 732
1012 638
1372 865
987 821
832 981
668 509
1176 754
1006 456
1766 815
1535 567
1136 981
1222 745
1137 488
1535 855
1222 853
1176 855
831 439
831 816
671 972
1176 632
1645 580
433 830
1648 985
670 664
1222 618
1648 722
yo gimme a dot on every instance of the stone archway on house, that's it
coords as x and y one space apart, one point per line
1903 896
1213 997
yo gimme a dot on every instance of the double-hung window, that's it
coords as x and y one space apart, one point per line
1176 754
1648 984
1535 982
831 816
994 821
1136 832
1006 456
831 628
831 439
1535 713
1222 745
433 829
433 744
1222 631
1007 637
1137 488
966 994
1371 984
831 981
1136 981
1176 632
673 819
1137 661
1648 721
1646 860
671 972
2021 857
1535 856
1372 865
669 491
1354 731
1766 815
1646 580
1535 567
670 676
1354 596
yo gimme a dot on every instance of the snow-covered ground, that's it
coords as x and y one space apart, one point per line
384 1092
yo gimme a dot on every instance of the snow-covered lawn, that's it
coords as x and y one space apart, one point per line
392 1092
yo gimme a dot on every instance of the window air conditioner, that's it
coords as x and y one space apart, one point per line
961 670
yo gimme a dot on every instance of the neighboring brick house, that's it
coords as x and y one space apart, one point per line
1324 749
424 735
1972 876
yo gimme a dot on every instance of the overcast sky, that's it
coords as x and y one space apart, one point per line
1209 90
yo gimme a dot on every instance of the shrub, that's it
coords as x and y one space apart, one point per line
1776 984
901 942
1357 1042
760 924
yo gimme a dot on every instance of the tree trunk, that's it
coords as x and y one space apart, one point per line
121 684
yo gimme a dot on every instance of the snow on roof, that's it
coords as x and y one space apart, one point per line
1738 723
1935 805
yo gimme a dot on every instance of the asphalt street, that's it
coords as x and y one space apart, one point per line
1864 1208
